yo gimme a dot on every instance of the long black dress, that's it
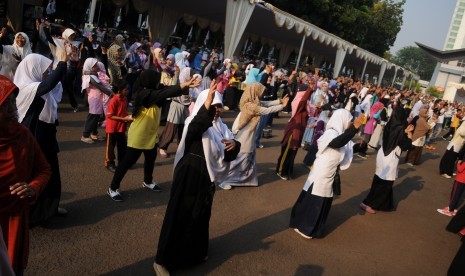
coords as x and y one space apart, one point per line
184 235
457 223
46 205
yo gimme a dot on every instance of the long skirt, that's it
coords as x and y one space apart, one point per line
414 155
229 98
457 267
285 166
376 138
310 157
310 212
184 235
457 223
380 196
447 163
169 132
243 171
308 134
46 205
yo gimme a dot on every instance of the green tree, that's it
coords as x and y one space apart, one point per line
416 60
370 24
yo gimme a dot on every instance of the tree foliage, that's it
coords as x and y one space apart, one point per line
372 25
415 60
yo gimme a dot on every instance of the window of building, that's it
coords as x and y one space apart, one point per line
458 16
456 22
452 40
461 63
455 28
453 34
462 4
460 10
450 46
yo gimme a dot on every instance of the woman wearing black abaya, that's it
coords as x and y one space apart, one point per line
457 225
37 102
202 160
397 137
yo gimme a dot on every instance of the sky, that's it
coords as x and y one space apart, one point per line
425 21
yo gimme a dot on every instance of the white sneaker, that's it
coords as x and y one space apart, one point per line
302 234
115 195
446 175
87 140
225 186
152 186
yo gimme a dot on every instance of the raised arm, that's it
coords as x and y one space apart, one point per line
52 80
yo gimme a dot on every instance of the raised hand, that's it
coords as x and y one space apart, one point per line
358 122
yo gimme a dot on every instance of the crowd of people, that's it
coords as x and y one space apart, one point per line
131 86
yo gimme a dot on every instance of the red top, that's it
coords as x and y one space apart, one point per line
460 177
21 160
117 107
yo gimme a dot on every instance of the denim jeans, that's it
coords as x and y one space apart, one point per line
260 127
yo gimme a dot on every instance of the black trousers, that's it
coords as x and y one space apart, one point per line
68 85
91 125
130 158
117 139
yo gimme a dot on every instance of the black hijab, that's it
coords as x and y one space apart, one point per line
394 129
148 80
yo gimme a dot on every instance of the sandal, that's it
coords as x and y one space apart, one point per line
163 153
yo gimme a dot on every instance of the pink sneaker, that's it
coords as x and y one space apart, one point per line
445 211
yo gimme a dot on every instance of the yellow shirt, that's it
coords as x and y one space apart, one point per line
143 132
456 122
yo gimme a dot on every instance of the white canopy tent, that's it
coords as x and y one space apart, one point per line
242 20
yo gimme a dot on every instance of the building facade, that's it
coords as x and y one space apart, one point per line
452 71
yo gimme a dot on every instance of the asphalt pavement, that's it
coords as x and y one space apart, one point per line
249 232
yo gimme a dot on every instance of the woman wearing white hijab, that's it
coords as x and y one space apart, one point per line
311 210
13 54
181 60
202 160
37 103
65 46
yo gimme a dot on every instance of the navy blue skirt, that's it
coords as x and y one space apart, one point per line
310 212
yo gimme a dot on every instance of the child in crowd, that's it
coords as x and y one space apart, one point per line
117 117
105 81
457 190
94 89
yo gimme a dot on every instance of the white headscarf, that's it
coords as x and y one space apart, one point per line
28 78
49 113
60 47
87 67
328 159
179 59
8 63
195 92
337 124
211 140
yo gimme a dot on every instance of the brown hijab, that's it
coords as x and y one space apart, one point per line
249 105
422 126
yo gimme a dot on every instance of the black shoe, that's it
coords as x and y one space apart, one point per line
111 168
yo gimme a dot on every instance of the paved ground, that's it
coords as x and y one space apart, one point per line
249 231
